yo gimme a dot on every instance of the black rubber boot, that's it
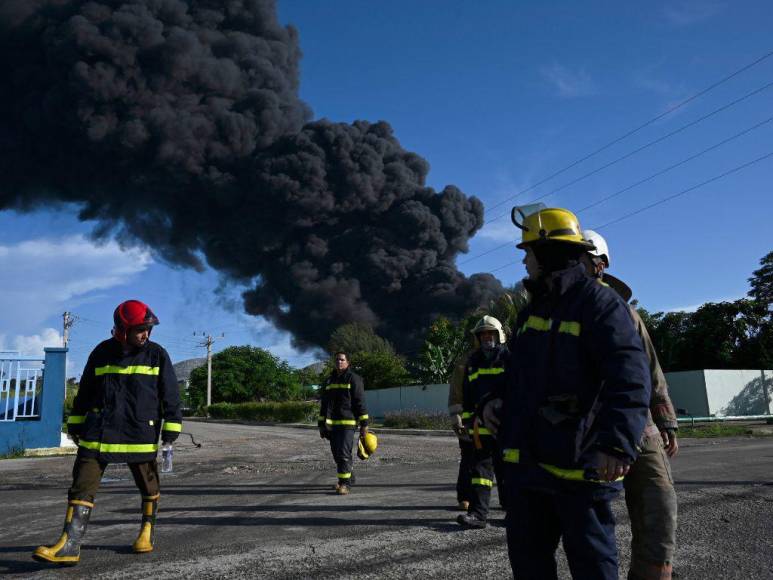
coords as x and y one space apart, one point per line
67 551
471 521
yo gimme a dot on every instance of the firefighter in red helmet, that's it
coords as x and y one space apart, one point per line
127 398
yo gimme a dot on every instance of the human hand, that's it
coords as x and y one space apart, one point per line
456 423
610 467
669 442
490 413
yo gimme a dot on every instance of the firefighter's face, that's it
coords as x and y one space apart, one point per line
341 362
532 266
138 335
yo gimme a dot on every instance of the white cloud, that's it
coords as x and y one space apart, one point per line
569 83
31 345
42 277
691 11
501 230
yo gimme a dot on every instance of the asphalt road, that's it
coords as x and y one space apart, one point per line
258 502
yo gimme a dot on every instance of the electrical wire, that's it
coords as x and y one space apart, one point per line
635 130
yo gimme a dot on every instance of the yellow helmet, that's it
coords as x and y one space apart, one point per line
367 445
548 225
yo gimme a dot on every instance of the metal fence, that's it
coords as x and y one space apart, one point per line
21 383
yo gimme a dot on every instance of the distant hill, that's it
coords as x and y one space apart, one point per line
315 368
183 368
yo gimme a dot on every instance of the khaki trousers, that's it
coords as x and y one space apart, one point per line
87 475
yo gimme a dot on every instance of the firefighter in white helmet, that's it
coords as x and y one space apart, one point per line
483 374
649 490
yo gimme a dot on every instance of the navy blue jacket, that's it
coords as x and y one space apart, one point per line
122 402
342 404
578 382
482 377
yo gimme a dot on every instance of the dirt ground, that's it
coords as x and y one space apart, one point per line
258 502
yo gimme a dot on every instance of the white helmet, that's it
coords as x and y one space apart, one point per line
489 323
601 250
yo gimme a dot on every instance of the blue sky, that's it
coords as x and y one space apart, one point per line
497 96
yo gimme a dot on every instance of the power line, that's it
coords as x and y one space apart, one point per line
642 148
688 190
639 128
642 181
667 199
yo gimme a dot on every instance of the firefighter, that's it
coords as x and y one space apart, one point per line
128 397
574 407
466 448
342 409
484 372
649 488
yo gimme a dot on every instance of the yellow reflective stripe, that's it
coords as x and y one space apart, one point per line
484 431
491 371
344 475
571 474
482 481
363 418
340 421
572 328
321 418
130 370
176 427
544 324
467 415
119 447
339 386
511 455
76 419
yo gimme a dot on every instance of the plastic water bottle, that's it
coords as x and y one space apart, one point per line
167 451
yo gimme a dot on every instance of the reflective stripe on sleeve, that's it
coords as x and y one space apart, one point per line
482 481
76 419
571 474
467 415
169 426
363 418
339 386
130 370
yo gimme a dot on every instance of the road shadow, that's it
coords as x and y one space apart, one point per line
214 489
723 483
290 508
281 522
25 564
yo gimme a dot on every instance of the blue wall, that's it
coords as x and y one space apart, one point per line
46 431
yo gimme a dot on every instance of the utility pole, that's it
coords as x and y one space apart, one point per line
208 341
67 321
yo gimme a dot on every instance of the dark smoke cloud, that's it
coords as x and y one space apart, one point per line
177 125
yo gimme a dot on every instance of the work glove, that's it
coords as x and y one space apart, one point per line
363 430
456 423
323 432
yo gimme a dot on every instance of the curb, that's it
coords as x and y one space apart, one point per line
377 430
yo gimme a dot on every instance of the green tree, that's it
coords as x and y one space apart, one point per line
372 357
445 344
358 337
762 282
245 373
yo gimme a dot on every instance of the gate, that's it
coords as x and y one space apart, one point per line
21 383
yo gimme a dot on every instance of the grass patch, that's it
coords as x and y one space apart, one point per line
706 430
271 412
415 419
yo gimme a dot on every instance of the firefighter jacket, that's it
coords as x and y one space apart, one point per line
662 415
343 401
483 376
456 385
577 383
124 402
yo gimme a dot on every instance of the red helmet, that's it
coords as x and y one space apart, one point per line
132 313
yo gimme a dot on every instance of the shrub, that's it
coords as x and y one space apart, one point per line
271 412
415 419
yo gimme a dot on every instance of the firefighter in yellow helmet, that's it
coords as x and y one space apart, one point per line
484 374
649 490
127 398
573 407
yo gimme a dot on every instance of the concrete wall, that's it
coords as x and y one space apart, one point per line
427 398
688 391
45 431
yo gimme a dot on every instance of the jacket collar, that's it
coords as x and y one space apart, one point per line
562 280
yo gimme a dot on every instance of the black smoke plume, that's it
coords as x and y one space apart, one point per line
177 124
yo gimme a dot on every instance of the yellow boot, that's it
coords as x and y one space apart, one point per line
144 542
67 550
